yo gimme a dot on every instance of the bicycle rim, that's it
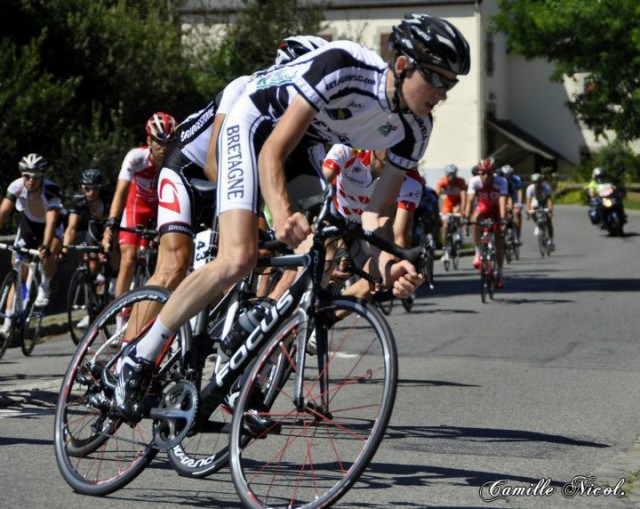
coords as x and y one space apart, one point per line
97 453
31 327
319 452
8 283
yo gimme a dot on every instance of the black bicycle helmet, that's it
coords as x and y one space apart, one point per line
91 177
32 162
298 45
432 41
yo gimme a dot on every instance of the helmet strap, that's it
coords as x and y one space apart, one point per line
398 79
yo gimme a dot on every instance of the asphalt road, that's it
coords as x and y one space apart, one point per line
531 390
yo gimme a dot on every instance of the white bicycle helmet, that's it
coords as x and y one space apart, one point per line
33 162
293 47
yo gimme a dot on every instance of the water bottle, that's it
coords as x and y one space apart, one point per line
245 325
100 284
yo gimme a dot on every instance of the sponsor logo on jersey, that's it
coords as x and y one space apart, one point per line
387 129
339 114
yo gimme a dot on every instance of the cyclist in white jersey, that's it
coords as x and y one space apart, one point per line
339 93
40 201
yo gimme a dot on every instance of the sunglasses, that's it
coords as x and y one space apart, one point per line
162 143
436 79
32 176
483 173
90 188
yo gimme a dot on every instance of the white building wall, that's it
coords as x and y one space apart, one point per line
458 120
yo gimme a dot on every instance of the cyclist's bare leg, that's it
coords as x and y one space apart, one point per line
237 255
517 219
127 267
174 257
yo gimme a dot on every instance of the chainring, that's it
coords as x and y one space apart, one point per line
174 415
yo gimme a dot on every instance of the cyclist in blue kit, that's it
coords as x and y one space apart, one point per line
339 93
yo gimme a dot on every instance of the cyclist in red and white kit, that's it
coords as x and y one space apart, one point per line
354 173
491 191
136 194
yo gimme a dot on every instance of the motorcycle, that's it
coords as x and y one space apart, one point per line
607 209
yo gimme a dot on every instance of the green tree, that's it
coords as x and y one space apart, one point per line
75 72
251 38
601 37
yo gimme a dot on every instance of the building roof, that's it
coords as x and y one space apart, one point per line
522 138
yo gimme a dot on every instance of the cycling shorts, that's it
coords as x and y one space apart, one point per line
485 211
180 207
141 214
449 207
30 234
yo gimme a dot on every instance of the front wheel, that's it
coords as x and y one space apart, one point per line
31 327
96 450
316 448
6 308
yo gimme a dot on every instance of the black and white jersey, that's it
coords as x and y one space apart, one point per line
346 84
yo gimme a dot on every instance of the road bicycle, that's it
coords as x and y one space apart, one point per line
542 230
511 245
88 294
18 296
344 392
452 242
487 258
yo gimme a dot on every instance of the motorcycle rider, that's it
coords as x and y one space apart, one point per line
599 176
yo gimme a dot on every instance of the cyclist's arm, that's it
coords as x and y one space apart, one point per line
467 203
211 164
280 143
70 232
6 208
51 222
402 226
117 206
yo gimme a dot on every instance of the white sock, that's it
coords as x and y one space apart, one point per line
150 346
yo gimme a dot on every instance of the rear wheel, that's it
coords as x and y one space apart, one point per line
31 327
96 450
6 290
314 451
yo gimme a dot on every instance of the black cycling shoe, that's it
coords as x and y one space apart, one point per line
133 381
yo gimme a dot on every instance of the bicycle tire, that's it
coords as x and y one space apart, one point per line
484 281
8 282
362 360
30 333
96 451
516 250
78 303
456 254
542 235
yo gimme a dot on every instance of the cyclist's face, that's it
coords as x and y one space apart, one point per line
419 94
91 192
158 150
32 181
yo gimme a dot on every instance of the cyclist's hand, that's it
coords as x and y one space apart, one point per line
44 251
106 240
406 279
294 230
62 255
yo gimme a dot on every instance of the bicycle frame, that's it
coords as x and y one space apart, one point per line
24 259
